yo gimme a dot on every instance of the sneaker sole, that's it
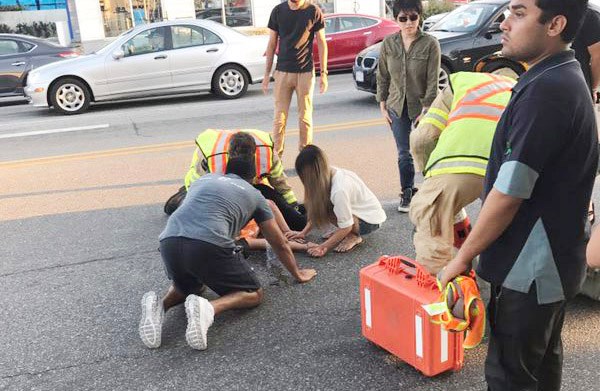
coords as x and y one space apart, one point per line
193 335
147 323
403 210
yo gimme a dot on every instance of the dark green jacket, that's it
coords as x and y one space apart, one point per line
411 76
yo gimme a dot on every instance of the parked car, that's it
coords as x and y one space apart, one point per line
433 19
348 34
19 54
466 35
496 62
154 59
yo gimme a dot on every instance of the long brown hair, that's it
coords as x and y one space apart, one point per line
315 173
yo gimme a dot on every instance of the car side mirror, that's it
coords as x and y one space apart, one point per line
118 54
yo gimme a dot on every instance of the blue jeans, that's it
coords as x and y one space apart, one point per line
401 127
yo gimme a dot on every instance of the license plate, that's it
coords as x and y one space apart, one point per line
360 76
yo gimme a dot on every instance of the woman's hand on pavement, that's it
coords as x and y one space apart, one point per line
317 251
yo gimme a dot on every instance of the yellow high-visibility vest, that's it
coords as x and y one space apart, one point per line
212 146
468 130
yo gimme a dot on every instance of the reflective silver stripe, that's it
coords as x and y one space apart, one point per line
437 117
440 165
221 147
476 110
479 92
264 155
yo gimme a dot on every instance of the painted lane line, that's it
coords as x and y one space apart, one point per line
167 146
52 131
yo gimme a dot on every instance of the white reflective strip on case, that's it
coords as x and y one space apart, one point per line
419 335
444 345
368 307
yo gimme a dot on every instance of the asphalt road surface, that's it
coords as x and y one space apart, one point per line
80 212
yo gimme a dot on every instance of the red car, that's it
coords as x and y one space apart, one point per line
348 34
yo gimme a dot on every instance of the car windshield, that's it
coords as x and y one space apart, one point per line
466 18
107 45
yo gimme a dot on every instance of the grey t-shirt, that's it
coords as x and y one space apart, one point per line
215 209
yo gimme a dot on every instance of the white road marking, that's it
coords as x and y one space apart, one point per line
51 131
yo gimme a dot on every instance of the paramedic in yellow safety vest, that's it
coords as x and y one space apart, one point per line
451 146
213 148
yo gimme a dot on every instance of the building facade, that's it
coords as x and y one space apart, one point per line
99 19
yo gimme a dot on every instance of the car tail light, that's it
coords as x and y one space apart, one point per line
69 54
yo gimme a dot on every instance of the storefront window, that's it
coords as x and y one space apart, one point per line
237 13
326 6
121 15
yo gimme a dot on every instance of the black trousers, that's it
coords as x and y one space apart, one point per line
525 350
295 219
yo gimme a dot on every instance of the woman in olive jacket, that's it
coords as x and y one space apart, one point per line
407 84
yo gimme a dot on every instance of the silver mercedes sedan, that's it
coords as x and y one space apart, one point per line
166 58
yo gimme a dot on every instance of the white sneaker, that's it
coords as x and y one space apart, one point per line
200 314
151 323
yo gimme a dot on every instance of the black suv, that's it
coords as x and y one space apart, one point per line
466 35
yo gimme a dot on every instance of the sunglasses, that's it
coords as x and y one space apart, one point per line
412 17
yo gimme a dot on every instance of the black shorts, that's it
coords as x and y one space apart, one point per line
190 263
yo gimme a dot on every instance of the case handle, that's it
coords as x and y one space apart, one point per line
400 264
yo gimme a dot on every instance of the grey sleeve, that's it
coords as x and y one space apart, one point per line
263 210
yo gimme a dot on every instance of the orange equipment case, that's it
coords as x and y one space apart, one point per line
392 292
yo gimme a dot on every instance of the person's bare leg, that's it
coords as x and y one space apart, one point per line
237 300
261 245
351 240
173 297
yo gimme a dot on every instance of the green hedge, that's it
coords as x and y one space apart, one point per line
437 7
35 29
9 8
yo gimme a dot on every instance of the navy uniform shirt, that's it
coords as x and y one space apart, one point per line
544 152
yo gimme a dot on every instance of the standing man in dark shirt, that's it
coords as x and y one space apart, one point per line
530 232
587 49
294 24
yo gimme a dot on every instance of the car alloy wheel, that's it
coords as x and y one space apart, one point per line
230 82
70 96
444 78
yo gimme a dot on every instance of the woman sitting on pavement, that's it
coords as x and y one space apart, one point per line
335 196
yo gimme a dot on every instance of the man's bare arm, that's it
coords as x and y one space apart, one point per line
280 245
270 54
594 51
322 45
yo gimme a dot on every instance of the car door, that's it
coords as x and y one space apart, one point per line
351 39
196 52
14 62
488 39
144 67
331 27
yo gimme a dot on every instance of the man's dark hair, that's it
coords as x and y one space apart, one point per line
242 144
407 6
573 10
243 167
